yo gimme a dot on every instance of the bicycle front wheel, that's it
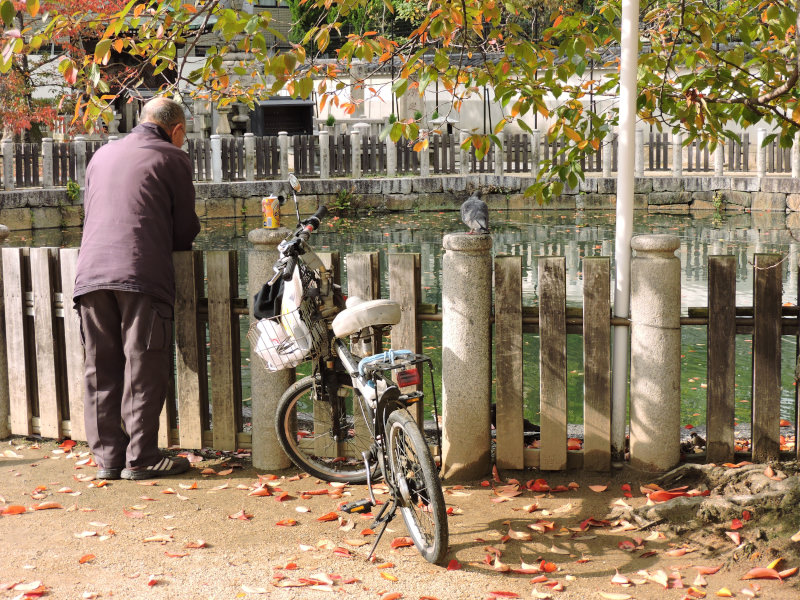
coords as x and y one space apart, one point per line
324 436
420 491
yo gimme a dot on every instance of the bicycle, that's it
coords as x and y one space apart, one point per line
349 421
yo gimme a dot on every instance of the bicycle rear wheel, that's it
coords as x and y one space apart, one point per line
324 437
414 474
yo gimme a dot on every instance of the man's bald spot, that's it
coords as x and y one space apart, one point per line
164 112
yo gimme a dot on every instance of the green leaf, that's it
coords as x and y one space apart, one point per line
7 12
103 47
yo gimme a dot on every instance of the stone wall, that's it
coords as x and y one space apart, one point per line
43 208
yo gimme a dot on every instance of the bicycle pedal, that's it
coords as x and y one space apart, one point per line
358 506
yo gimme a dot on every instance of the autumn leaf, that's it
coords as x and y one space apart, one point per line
761 573
388 576
13 509
735 537
401 542
241 515
287 523
453 565
261 491
47 506
225 472
598 488
176 554
331 516
86 558
197 544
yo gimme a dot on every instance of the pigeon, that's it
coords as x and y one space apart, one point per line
475 214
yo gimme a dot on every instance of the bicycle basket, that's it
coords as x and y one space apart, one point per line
285 341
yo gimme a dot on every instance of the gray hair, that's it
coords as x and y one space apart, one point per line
163 111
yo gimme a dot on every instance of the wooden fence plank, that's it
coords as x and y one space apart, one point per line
223 336
597 363
192 380
721 358
73 348
404 288
14 280
553 363
46 361
766 357
510 437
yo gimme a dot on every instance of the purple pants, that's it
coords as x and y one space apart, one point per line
127 337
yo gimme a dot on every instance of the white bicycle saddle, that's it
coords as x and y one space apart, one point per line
361 314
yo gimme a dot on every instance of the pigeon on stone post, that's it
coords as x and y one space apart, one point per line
475 214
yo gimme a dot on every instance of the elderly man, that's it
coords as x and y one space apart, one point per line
139 208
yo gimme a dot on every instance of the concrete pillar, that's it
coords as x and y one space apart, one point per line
47 162
761 153
719 159
391 157
796 156
463 154
638 165
267 387
5 427
677 154
466 355
8 164
216 158
355 155
608 155
249 157
655 353
283 151
324 155
79 145
500 154
425 158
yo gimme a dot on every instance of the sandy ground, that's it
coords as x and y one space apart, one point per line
204 535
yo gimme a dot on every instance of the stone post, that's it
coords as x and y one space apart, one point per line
761 153
47 162
355 156
79 145
283 151
5 406
391 157
638 165
677 155
216 158
466 355
608 155
8 164
796 156
499 155
249 157
324 155
425 158
655 353
267 387
463 154
719 159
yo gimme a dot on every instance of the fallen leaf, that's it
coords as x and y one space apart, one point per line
598 488
401 542
615 596
707 570
788 572
392 596
287 523
197 544
225 472
253 590
47 506
14 509
761 573
388 576
86 558
453 565
241 515
176 554
735 537
724 593
331 516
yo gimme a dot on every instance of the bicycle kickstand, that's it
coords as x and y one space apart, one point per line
384 521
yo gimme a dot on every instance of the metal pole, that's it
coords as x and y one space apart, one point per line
624 228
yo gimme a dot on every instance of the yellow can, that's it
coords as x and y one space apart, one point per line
270 207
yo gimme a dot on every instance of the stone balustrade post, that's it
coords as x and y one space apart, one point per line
283 151
324 155
655 353
391 157
47 162
466 355
355 156
8 164
638 164
761 153
608 155
677 154
216 158
79 146
249 157
425 156
500 154
796 156
719 159
463 155
267 387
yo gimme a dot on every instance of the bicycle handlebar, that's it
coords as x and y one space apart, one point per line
291 248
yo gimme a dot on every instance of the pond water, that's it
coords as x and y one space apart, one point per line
553 233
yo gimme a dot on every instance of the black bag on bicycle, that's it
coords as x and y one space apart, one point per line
267 302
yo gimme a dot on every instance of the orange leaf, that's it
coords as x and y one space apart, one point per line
86 558
283 496
262 491
761 573
392 596
225 472
287 523
388 576
197 544
401 542
386 565
708 570
47 505
735 537
453 565
14 509
787 572
736 524
241 515
724 593
331 516
598 488
176 554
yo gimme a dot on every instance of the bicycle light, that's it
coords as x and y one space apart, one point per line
408 377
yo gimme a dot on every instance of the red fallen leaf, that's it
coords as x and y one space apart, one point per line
208 471
627 545
574 444
540 485
556 586
339 551
761 573
663 495
560 488
283 496
708 570
676 552
176 554
735 537
225 472
648 554
287 523
788 572
501 594
151 581
262 491
322 492
197 544
539 579
736 524
47 505
367 531
592 522
401 542
746 515
548 567
86 558
14 509
625 487
67 444
453 565
785 423
386 565
392 596
331 516
496 474
133 514
485 483
688 426
428 598
241 515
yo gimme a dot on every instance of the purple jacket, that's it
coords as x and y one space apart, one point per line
139 207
